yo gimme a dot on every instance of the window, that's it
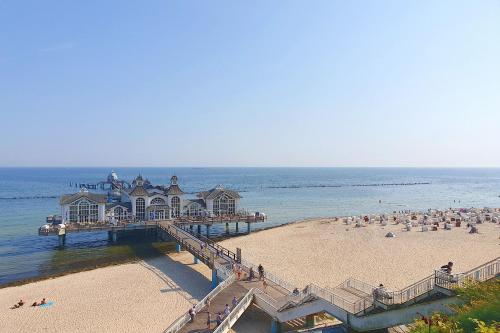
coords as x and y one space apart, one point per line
157 201
120 213
194 210
83 211
140 209
73 213
176 206
224 205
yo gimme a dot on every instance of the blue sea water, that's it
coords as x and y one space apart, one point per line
28 195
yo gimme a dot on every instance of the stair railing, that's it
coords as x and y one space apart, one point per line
185 318
238 310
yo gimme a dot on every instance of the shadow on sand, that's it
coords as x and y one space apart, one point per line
178 277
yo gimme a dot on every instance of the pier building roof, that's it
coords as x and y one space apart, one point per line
200 202
69 198
174 190
138 191
216 191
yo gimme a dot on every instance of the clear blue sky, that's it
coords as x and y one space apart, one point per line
255 83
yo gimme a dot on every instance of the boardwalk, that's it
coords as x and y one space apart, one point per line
351 302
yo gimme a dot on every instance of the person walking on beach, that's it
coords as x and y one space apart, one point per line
209 319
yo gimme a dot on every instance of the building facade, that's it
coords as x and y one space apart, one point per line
145 202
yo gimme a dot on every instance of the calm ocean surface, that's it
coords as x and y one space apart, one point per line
28 195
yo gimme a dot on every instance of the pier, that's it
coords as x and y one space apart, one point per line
148 226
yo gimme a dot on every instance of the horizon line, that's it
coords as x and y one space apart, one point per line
248 167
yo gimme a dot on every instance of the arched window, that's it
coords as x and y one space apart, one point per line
224 205
119 213
83 211
157 201
140 209
194 210
176 206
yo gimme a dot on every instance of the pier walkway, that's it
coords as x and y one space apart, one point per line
352 302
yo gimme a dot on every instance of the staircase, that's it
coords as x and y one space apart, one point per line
352 302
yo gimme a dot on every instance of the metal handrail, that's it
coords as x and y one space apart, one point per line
242 305
220 249
480 273
408 293
185 318
358 285
269 276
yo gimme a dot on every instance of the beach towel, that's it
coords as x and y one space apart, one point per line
46 305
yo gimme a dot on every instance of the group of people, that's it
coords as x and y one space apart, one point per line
21 303
220 315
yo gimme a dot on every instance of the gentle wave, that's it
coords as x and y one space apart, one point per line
350 185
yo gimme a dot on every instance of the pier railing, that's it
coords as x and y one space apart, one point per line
218 248
238 310
202 255
409 293
481 273
185 318
358 285
269 276
220 219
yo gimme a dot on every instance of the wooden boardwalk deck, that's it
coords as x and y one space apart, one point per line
213 255
237 289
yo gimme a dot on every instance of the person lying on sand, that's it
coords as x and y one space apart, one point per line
18 305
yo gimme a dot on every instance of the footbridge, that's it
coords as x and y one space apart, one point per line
358 305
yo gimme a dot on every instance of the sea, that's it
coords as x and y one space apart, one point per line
28 195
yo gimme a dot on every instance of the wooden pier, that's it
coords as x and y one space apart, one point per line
148 226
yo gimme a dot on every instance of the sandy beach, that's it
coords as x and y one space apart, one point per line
327 252
139 297
150 295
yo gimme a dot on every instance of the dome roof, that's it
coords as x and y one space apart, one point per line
112 176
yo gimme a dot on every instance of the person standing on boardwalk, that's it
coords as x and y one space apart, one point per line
209 319
235 302
207 303
261 272
251 274
219 319
264 286
192 313
226 311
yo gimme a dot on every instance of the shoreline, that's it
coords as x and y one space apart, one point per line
136 259
171 245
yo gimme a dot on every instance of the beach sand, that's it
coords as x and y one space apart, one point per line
326 252
150 295
139 297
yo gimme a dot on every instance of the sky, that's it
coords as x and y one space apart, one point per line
250 83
